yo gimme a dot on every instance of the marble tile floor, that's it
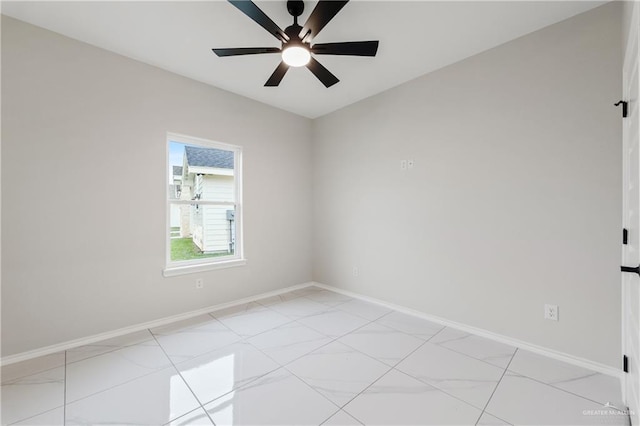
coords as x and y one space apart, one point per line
308 357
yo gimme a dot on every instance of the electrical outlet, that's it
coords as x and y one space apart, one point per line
551 312
403 164
356 271
199 283
410 164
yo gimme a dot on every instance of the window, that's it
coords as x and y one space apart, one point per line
204 205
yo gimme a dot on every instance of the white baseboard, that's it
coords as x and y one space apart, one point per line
551 353
47 350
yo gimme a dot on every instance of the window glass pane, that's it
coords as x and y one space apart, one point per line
201 173
201 231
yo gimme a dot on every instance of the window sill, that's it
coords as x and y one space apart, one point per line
202 267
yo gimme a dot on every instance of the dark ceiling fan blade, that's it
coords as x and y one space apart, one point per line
254 12
321 15
353 48
323 74
277 75
245 51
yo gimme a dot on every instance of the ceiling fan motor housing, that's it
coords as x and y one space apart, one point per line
295 7
293 31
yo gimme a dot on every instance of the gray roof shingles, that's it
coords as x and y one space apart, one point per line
177 170
209 157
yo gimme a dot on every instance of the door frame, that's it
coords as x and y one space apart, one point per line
631 53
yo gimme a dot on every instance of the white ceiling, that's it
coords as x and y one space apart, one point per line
416 37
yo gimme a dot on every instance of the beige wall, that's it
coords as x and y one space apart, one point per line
515 198
78 262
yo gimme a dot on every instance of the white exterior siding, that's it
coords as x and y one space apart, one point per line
211 229
219 188
216 229
175 216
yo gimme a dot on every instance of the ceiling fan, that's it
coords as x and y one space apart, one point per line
297 41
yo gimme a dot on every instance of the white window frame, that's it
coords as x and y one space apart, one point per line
173 268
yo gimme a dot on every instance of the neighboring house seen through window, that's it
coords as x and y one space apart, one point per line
204 216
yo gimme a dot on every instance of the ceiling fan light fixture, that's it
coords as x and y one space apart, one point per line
296 56
296 40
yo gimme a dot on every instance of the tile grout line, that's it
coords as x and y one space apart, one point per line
23 376
496 388
431 338
280 367
317 392
330 307
115 348
428 384
244 339
335 339
284 367
506 368
340 411
100 391
520 374
470 358
553 385
479 359
384 374
130 380
184 381
119 384
390 367
65 370
340 408
557 388
296 321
